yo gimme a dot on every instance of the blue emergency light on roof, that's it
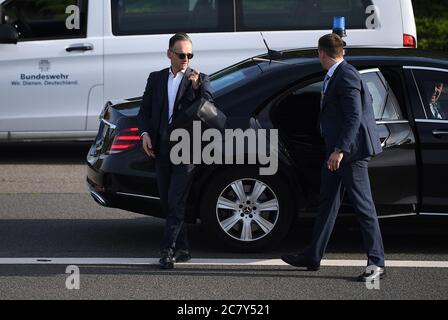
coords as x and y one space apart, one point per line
339 26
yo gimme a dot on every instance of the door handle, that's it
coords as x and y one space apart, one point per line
440 132
80 47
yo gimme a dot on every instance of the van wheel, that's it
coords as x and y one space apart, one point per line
244 211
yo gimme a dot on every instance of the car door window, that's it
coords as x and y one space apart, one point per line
45 19
433 88
385 104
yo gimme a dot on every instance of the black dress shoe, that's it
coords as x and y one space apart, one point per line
182 255
166 260
300 261
372 273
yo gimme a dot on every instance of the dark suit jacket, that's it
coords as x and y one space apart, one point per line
347 116
155 99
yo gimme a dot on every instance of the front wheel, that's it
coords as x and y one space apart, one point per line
245 211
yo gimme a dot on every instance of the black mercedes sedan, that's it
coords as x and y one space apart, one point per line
247 211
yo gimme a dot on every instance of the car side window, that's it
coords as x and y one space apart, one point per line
385 104
433 88
46 19
137 17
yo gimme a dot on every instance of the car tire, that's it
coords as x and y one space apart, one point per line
252 226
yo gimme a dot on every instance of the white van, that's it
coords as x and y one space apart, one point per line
72 56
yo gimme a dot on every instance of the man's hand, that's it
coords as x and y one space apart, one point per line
334 161
147 145
195 79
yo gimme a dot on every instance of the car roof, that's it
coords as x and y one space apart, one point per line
370 55
280 72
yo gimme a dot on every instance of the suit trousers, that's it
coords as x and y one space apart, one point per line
174 182
351 178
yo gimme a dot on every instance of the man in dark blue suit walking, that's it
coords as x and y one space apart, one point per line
349 130
168 95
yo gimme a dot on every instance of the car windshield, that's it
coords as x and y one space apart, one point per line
234 76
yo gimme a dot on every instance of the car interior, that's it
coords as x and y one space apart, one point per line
296 116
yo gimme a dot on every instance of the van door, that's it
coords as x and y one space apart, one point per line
48 76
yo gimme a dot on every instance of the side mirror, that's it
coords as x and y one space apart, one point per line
8 34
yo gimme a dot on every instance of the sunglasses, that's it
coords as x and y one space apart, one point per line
182 56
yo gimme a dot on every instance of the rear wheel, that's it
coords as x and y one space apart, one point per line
245 211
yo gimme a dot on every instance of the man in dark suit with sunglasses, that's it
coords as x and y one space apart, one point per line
168 94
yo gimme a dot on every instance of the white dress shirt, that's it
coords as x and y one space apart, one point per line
173 87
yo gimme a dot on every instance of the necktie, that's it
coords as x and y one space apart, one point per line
324 87
435 109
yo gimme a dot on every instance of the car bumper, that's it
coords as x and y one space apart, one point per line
112 184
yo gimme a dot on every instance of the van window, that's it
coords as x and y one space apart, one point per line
44 19
136 17
271 15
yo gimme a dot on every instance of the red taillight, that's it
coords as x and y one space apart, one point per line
125 140
409 41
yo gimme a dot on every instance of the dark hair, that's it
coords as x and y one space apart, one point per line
332 45
181 36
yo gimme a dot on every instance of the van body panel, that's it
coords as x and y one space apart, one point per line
44 87
407 14
118 66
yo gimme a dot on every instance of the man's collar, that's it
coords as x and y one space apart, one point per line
333 68
171 71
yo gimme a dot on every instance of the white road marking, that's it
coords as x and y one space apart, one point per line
212 262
